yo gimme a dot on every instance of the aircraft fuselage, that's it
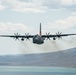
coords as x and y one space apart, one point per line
38 39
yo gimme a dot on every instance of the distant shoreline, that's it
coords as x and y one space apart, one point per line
65 59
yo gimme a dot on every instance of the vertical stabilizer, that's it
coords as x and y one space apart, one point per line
40 29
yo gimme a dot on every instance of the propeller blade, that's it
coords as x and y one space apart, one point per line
48 38
59 33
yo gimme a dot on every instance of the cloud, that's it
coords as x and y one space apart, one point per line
2 7
13 27
23 6
66 23
74 13
50 4
68 2
37 6
59 4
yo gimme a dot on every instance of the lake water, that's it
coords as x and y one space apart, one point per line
23 70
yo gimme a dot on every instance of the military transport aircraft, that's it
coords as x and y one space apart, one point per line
39 38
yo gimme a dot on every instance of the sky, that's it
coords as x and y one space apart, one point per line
24 16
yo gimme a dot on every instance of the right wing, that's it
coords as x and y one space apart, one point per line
17 36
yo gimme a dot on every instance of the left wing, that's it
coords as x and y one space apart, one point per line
57 35
61 35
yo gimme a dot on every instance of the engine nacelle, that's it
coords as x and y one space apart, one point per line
54 38
22 39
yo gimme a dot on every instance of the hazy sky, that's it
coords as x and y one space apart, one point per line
24 16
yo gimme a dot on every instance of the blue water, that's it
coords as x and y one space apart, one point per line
22 70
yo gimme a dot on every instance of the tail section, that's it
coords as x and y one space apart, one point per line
40 30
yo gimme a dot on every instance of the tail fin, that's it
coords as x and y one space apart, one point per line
40 30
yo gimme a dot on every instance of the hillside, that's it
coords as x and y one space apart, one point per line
66 58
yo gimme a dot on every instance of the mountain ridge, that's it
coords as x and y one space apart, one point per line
65 58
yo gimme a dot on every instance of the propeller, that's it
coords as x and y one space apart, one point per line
16 36
48 38
27 36
58 35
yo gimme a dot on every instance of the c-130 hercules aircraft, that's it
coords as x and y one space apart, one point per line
37 39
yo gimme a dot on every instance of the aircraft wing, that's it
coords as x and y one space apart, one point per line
20 36
56 35
17 36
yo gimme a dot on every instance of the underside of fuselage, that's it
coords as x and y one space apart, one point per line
38 43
